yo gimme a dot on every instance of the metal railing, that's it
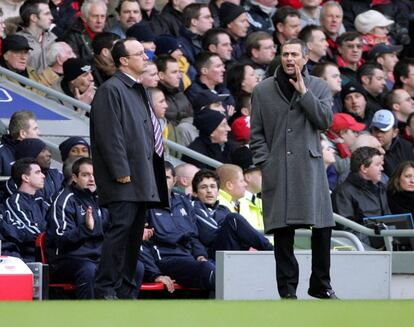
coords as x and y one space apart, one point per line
386 234
63 97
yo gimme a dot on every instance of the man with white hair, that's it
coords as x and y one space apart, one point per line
57 55
84 29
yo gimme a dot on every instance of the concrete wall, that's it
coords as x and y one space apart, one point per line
251 275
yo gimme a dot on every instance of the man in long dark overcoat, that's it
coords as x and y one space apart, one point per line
128 165
289 110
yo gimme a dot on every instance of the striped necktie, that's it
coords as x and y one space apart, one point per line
158 146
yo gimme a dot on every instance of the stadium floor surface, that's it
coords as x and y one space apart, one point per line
195 313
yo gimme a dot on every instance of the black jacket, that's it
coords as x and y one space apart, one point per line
399 151
203 145
77 37
7 154
173 19
179 107
122 142
357 198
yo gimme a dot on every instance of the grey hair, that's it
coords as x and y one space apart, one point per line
54 51
303 46
87 5
329 4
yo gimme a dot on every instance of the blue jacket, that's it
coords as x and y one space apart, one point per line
53 183
7 154
23 220
209 220
190 44
175 229
67 233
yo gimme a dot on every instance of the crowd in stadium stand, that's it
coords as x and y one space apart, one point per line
204 60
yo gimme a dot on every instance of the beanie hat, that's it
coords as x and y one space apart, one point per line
352 87
228 12
241 129
207 121
368 20
65 146
142 32
29 148
243 158
74 67
166 44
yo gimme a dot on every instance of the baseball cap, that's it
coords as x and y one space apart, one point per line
207 97
384 120
343 121
382 48
15 43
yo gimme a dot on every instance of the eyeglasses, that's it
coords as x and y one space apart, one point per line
139 54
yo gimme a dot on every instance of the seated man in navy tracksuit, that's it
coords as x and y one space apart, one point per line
175 246
218 227
23 217
75 231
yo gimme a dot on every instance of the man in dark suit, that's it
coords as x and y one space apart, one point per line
129 167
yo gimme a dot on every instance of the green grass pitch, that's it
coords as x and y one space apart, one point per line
209 313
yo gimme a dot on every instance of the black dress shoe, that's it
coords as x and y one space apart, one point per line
326 294
289 297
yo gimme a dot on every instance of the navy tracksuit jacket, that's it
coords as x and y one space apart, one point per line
67 234
22 221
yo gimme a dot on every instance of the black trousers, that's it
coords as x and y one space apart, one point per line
287 268
117 268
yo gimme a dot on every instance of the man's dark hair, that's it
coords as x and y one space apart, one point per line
347 36
78 163
306 33
402 69
28 8
319 69
363 157
303 46
121 2
169 166
204 173
162 62
192 11
104 40
203 60
253 41
118 51
211 37
368 70
20 167
284 12
18 121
